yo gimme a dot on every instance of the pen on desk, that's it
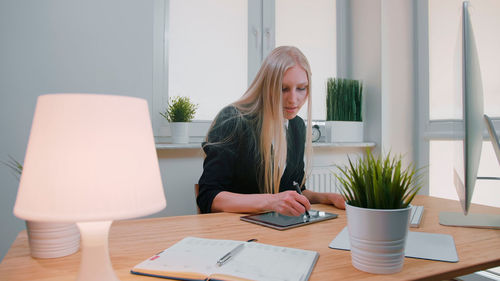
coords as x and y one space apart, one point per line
232 253
297 187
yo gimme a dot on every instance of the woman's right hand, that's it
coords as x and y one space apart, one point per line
289 203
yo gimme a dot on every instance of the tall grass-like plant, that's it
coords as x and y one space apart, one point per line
379 183
343 99
180 109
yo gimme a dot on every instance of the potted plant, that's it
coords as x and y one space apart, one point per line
48 239
179 113
378 192
344 122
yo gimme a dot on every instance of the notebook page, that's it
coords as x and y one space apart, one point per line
191 254
267 262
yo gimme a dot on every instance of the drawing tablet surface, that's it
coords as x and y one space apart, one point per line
282 222
419 245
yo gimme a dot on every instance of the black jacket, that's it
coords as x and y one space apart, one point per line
232 165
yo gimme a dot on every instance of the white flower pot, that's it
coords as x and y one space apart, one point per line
344 131
377 238
52 240
180 132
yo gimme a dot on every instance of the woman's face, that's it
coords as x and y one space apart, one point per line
294 90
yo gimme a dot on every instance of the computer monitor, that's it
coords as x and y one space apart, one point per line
473 111
470 130
495 140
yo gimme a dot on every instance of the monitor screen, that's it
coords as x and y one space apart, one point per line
470 128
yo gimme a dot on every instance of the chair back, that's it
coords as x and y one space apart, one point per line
196 191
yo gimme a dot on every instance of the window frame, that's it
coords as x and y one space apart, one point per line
429 130
260 43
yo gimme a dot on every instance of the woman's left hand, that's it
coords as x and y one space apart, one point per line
336 200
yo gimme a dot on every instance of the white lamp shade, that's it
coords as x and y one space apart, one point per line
90 157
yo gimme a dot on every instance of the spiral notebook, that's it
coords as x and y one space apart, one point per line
195 258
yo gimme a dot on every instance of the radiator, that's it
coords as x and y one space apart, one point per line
322 180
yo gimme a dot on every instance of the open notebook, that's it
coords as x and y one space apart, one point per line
195 259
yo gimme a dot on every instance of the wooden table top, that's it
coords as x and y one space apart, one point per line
133 241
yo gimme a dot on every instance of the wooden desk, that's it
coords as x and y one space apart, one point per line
135 240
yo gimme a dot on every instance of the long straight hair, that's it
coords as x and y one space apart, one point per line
263 101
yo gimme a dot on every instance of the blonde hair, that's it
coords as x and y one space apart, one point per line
262 103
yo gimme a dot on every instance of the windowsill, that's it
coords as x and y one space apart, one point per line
191 145
197 145
344 144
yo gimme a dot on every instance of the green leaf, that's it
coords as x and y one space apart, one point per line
343 99
379 182
15 167
180 109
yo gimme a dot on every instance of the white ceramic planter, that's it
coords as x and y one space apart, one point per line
344 131
180 132
52 240
377 238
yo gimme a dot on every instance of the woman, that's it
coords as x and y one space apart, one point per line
255 146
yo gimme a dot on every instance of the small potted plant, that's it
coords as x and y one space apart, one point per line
378 192
179 113
344 122
47 239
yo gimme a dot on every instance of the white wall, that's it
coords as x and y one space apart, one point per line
365 61
398 74
180 170
382 56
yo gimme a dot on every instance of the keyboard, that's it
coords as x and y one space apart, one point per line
416 215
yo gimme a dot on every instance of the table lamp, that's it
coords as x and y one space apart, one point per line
91 159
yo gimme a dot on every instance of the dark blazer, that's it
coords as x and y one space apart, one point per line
231 165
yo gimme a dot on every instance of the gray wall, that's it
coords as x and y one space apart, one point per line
64 46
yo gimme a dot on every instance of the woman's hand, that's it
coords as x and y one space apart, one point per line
336 200
289 203
325 198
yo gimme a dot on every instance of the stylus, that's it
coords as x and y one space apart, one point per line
232 253
297 187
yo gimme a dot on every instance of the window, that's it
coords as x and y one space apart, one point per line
310 26
444 19
207 52
213 48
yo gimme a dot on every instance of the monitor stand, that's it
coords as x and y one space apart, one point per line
470 220
477 220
